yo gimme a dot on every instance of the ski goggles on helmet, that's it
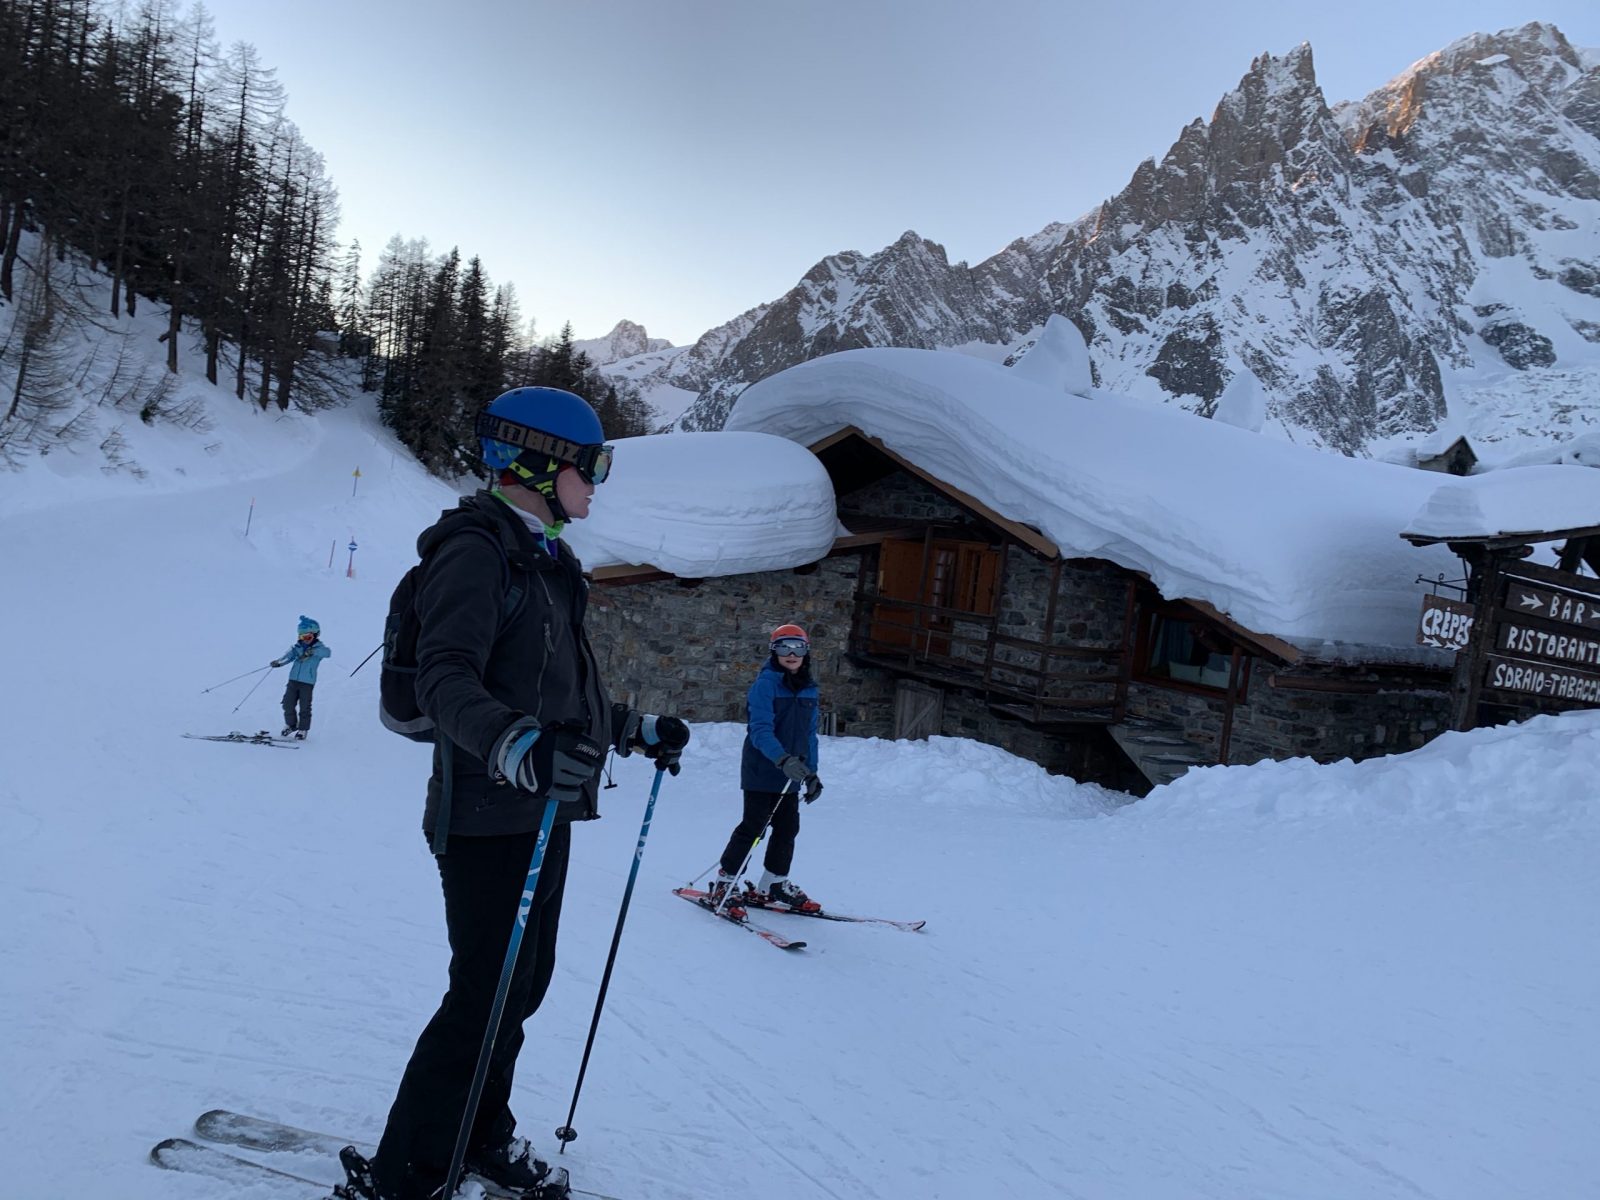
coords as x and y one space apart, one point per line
593 463
787 646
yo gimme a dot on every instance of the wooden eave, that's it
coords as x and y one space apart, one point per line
629 573
1025 534
869 535
1506 541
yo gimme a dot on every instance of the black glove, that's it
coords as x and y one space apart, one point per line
671 736
552 760
660 739
795 768
277 662
813 788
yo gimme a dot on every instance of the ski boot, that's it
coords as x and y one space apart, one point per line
780 891
288 732
515 1168
725 892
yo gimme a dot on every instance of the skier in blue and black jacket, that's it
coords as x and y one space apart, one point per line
302 658
778 768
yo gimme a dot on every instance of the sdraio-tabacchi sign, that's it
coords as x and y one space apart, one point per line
1536 679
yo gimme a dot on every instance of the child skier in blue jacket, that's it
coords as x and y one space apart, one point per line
780 760
303 657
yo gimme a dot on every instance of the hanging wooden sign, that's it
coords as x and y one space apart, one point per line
1444 622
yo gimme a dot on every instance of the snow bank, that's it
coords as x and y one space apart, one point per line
706 504
1538 775
1515 500
1288 541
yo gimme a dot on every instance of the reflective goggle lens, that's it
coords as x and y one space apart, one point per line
784 647
594 464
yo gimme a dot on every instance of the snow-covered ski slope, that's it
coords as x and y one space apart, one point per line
1286 981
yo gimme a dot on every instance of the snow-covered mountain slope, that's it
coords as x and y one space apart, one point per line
1434 246
670 380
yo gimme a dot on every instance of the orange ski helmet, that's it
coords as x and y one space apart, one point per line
792 638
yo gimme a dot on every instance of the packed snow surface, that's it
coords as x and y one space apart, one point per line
1290 980
1515 500
1288 541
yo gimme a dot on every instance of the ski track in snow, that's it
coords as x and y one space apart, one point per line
1207 995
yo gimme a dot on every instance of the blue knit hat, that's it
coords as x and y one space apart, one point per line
307 625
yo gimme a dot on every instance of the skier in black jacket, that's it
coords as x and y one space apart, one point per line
506 672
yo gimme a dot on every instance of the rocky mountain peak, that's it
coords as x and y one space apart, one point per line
626 339
1341 258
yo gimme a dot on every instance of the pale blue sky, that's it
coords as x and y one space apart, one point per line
678 161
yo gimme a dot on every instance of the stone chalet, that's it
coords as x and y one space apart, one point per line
934 613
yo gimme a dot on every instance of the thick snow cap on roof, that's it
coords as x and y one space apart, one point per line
706 504
1517 500
1288 541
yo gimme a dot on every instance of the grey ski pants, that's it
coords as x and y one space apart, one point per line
297 694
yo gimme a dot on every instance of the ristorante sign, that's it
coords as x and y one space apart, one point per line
1545 637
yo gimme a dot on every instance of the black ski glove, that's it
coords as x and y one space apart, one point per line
813 788
660 739
277 662
551 760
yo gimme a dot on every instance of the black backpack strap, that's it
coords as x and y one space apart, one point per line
441 818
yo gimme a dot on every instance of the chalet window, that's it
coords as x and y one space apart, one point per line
1176 649
922 586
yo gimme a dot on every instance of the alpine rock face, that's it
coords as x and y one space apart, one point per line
1441 236
626 340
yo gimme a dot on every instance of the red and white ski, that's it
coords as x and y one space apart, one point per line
753 899
771 936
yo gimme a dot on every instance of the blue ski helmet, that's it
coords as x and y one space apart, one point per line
512 424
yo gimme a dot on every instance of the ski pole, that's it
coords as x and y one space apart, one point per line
481 1074
751 853
567 1133
250 693
366 660
225 682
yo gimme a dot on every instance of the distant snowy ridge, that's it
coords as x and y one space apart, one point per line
1437 242
626 340
671 379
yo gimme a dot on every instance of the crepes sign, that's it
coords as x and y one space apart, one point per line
1445 623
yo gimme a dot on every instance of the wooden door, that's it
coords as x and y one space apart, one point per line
918 710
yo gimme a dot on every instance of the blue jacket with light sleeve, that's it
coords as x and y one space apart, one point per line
778 721
303 660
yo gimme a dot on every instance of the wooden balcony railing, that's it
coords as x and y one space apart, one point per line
1042 682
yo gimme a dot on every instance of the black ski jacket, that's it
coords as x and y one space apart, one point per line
500 636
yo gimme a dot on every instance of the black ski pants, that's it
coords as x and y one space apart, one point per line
483 881
297 693
780 839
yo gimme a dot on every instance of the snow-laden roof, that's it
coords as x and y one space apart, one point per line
1516 500
706 504
1288 541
